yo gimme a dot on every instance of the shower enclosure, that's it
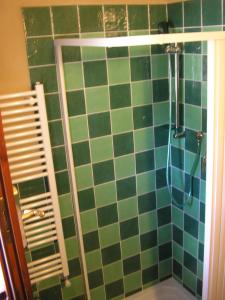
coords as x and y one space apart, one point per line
116 165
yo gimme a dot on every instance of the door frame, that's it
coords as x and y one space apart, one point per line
12 252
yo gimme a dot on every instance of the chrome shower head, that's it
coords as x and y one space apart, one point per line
173 49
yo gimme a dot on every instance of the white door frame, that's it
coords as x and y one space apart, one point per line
214 246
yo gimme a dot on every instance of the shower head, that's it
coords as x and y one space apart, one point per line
173 49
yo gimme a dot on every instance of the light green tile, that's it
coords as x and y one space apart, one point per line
130 246
122 120
124 166
92 53
84 177
177 252
101 149
201 232
164 234
65 204
202 190
148 221
47 283
149 257
193 67
177 217
193 117
127 208
89 220
193 209
163 197
98 293
139 51
141 92
132 282
93 260
161 157
113 272
189 279
72 249
200 270
143 139
161 113
159 66
105 194
76 288
178 178
190 244
109 235
145 183
73 76
165 268
189 160
78 128
118 70
97 99
204 94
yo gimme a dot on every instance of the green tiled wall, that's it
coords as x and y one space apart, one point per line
118 114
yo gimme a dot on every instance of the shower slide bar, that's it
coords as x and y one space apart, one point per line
28 147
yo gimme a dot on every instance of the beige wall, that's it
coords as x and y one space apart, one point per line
13 62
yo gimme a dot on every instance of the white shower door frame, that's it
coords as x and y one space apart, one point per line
214 249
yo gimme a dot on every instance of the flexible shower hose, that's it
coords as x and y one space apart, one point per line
188 198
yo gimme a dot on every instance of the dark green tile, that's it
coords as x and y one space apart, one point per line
129 228
131 264
140 68
204 120
177 156
95 73
150 274
99 124
161 178
103 172
164 216
142 116
111 254
175 15
95 278
74 267
178 235
204 67
52 107
190 18
211 12
120 96
107 215
195 185
81 153
56 133
126 188
190 141
86 199
43 252
191 226
157 15
202 212
71 54
31 188
177 269
68 227
194 47
37 21
65 19
144 161
91 19
117 52
190 262
193 92
59 158
165 251
62 182
46 76
161 135
201 252
91 241
53 292
115 17
114 289
146 202
199 287
40 51
160 90
138 17
148 240
123 144
76 103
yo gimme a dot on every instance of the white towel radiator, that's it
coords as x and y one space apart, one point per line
29 153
